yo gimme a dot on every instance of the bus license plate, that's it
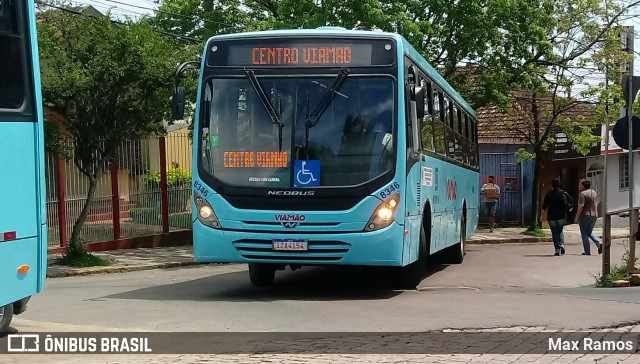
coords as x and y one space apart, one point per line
290 244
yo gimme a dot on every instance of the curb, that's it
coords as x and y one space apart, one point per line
528 240
72 272
509 241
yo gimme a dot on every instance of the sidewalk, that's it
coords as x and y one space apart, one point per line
509 235
129 260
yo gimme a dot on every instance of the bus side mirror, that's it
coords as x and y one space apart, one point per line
418 94
177 104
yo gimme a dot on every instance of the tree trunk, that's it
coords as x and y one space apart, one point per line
534 221
77 226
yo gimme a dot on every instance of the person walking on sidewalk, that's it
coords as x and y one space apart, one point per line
491 193
586 216
557 202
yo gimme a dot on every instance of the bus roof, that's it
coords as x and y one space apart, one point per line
332 31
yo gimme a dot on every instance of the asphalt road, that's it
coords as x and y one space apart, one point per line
518 287
496 286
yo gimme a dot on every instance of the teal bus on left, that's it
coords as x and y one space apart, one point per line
23 226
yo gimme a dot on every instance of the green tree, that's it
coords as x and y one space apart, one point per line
572 87
534 55
112 83
498 38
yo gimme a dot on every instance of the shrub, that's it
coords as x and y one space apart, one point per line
76 255
176 178
144 215
180 220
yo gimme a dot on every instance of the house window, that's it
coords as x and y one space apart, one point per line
623 169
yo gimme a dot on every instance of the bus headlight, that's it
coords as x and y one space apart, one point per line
383 215
206 215
206 212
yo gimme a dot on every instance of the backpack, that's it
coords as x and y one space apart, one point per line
569 207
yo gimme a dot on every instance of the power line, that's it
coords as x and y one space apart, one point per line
170 13
75 12
110 7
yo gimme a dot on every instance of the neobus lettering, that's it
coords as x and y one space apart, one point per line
291 193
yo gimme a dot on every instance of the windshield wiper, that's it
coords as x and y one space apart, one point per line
314 117
275 118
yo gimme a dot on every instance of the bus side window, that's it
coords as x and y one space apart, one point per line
456 119
427 122
449 135
439 134
13 88
465 125
466 145
472 132
447 112
459 143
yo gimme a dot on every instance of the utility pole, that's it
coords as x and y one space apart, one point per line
606 221
633 213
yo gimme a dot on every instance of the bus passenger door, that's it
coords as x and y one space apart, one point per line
22 257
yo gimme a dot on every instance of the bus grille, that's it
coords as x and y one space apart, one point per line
293 204
318 250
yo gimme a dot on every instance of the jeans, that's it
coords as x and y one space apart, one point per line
490 208
557 234
586 224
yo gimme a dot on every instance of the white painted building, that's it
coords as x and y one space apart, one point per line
617 176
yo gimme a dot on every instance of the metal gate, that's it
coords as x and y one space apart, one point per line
508 176
510 205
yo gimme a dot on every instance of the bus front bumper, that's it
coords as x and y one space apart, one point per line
383 247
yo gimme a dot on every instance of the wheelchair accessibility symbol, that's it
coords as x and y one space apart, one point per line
307 173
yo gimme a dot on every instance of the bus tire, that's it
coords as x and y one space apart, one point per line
6 314
411 275
261 275
457 252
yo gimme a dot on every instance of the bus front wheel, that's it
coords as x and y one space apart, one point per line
261 275
411 275
456 252
6 314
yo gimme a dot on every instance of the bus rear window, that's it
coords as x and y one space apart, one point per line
13 90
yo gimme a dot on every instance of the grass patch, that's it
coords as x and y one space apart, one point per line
86 260
608 280
617 273
77 255
538 233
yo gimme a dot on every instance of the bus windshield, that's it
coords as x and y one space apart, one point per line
350 143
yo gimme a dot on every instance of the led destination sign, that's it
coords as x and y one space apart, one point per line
303 53
256 159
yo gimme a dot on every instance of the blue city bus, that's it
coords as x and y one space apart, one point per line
23 242
328 147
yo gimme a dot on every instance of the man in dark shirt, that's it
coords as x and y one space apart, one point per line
557 203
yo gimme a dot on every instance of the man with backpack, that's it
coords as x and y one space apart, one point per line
558 204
